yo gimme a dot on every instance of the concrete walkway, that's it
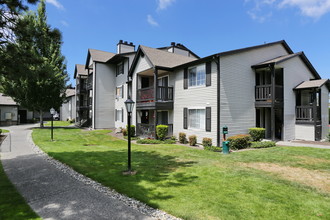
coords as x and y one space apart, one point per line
51 193
302 144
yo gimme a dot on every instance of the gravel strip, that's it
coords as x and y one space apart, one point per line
135 204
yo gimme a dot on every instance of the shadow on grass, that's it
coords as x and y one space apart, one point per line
156 174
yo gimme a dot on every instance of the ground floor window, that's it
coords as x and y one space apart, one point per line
196 118
119 115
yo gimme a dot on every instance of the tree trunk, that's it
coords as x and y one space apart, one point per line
41 119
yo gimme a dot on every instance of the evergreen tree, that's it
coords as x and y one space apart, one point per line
37 81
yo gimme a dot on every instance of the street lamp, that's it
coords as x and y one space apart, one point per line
52 112
129 103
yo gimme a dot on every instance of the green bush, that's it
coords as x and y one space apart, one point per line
207 142
240 141
132 130
257 134
154 141
0 131
182 138
173 138
192 140
161 131
213 148
264 144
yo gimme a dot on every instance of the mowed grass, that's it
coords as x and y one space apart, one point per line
196 184
4 130
12 204
57 123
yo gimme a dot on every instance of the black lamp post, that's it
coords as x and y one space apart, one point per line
52 112
129 103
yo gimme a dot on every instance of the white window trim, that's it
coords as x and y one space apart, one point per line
197 86
195 108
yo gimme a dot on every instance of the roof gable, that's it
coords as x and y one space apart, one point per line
79 70
98 56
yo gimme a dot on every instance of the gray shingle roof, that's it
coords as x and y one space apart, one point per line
311 84
70 92
81 69
100 56
278 59
165 59
6 100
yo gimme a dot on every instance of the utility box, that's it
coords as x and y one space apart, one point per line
225 147
225 130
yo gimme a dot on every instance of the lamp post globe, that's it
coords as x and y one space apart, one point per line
129 103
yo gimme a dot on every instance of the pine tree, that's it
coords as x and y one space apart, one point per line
37 80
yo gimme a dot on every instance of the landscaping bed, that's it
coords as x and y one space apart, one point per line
270 183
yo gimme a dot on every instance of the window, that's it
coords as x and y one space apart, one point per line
119 115
119 92
120 69
196 76
196 118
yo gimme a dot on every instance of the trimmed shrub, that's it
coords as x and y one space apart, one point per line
240 141
192 140
124 130
161 131
132 130
207 142
182 138
264 144
257 134
213 148
173 138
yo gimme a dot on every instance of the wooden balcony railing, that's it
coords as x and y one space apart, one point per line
149 130
264 93
304 113
164 93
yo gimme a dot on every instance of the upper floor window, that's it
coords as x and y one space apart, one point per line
196 76
120 69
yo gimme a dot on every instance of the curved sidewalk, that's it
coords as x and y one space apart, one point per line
50 192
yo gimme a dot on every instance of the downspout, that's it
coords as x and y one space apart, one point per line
216 59
94 96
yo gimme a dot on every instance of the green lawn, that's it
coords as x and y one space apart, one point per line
12 204
273 183
4 130
57 123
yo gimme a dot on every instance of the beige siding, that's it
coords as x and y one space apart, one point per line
237 87
295 72
104 96
305 132
195 97
325 111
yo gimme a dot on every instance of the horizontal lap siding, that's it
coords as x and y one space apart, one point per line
295 72
325 111
105 96
237 87
192 98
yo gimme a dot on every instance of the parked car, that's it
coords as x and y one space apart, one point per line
56 116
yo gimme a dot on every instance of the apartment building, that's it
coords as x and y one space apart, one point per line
68 108
266 86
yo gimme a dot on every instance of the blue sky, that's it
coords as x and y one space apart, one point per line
204 26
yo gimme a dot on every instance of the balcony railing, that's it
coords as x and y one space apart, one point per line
148 130
164 93
264 93
304 114
90 82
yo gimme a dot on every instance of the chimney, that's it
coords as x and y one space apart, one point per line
125 47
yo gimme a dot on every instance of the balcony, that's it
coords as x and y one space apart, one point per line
89 82
306 115
81 88
146 98
264 96
148 130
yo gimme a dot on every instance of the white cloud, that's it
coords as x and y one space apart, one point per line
56 4
152 21
64 23
310 8
163 4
